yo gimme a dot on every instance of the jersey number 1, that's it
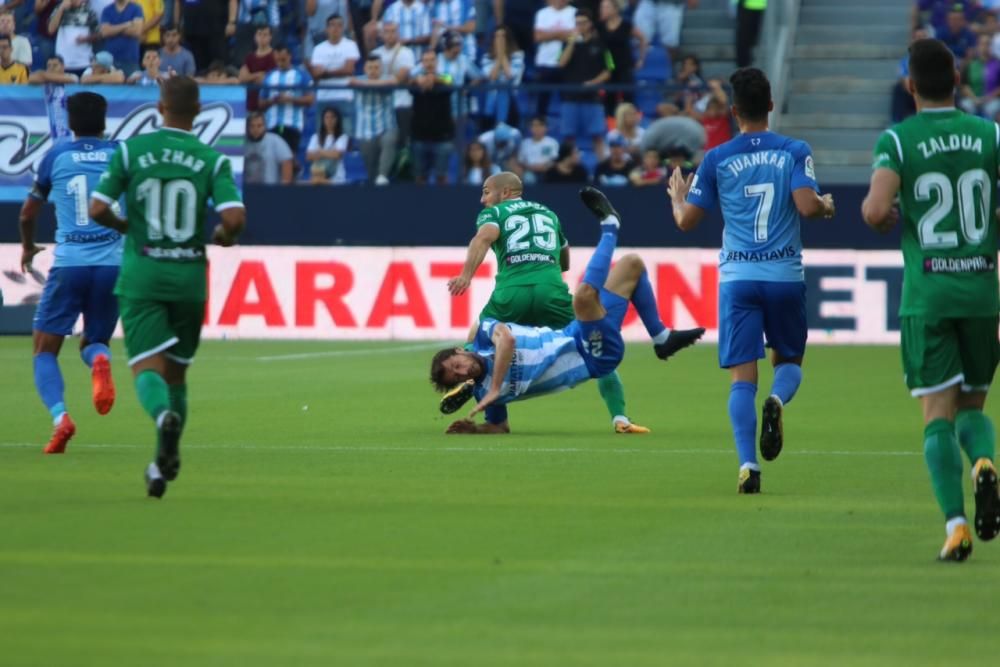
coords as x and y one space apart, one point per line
170 209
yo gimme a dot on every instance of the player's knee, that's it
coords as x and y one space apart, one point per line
632 264
585 297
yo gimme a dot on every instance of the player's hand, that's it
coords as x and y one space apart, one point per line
27 255
891 221
458 285
830 209
487 400
678 186
221 237
230 29
462 426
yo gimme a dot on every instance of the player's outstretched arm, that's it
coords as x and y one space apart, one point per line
878 208
687 216
478 247
26 223
503 343
811 205
226 233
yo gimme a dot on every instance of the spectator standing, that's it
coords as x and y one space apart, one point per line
286 94
957 36
203 23
617 34
150 74
398 62
979 92
554 25
456 16
332 64
152 15
476 166
102 70
567 168
99 6
414 21
11 71
903 105
664 18
519 16
316 13
627 127
76 28
689 79
250 15
433 125
174 57
375 120
326 149
460 70
256 65
537 154
20 46
364 16
54 72
121 28
503 63
267 159
502 144
584 62
44 36
650 172
615 169
749 17
716 119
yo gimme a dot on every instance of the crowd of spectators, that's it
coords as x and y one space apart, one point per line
425 90
971 30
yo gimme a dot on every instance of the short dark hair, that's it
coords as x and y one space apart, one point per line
180 96
263 26
751 93
372 57
540 119
437 369
281 46
585 13
932 70
171 27
87 112
334 17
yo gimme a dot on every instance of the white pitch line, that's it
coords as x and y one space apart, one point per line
353 353
475 450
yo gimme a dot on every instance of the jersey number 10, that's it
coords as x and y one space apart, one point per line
971 208
171 209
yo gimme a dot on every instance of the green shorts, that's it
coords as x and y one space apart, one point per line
942 352
171 327
544 305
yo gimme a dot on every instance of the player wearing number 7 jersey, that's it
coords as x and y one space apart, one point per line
764 182
168 178
943 164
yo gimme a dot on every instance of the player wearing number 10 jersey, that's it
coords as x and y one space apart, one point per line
763 182
168 178
944 164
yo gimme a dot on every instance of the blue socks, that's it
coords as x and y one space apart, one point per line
743 416
88 353
49 383
645 304
787 378
600 262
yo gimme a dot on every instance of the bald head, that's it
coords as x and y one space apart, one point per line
501 187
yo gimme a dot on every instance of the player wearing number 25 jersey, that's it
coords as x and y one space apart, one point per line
168 178
943 164
84 269
764 183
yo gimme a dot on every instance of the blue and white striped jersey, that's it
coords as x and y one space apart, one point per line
457 71
67 175
286 115
374 111
247 8
414 21
753 177
453 14
545 362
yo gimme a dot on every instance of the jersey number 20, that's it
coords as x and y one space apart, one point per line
171 209
970 207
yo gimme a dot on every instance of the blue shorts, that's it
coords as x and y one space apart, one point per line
71 291
752 310
600 342
582 119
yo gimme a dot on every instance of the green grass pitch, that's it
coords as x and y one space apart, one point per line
322 518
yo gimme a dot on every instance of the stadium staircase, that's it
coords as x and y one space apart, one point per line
844 63
708 33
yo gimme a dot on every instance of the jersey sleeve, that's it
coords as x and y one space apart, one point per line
489 216
484 335
888 152
43 179
803 169
224 193
703 192
115 179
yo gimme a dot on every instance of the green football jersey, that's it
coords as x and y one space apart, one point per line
168 178
947 163
531 240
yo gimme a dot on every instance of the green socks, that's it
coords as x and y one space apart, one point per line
153 393
944 461
613 393
179 400
975 434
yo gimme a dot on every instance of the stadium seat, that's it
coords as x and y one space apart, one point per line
354 168
588 159
657 68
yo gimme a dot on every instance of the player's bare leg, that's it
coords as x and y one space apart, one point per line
154 377
743 417
977 437
49 382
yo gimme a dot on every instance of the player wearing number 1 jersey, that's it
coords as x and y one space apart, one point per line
763 182
944 164
84 269
168 178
